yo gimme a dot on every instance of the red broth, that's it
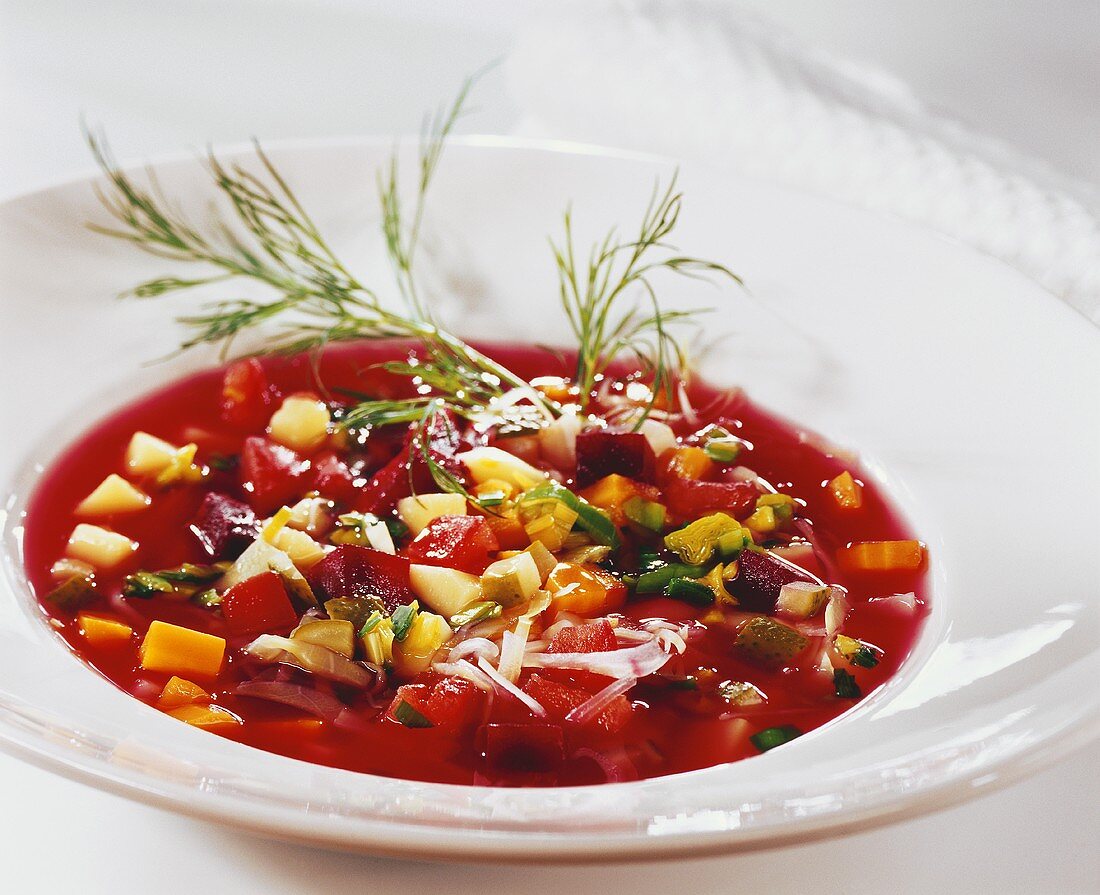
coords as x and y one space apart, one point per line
670 729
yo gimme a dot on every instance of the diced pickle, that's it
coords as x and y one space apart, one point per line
511 581
337 635
72 594
768 642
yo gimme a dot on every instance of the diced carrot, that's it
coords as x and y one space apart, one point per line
882 556
208 717
101 630
175 650
612 491
687 463
509 532
179 692
584 590
846 491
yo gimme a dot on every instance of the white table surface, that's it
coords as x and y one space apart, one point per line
167 75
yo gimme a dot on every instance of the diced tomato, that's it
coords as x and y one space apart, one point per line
760 577
523 748
273 474
601 452
224 525
332 478
691 499
593 637
353 571
396 480
458 542
456 703
247 397
415 695
258 604
560 699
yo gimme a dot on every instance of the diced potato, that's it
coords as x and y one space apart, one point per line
337 635
99 547
447 591
659 435
802 599
101 630
882 556
511 581
205 716
179 691
485 463
148 455
303 551
414 654
176 650
419 510
310 514
113 495
301 423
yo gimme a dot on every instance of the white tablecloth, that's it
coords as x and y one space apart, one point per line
164 75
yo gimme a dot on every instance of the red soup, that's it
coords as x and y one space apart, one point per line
609 597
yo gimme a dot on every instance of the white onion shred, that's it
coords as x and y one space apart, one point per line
659 436
630 634
508 687
596 703
310 657
511 650
905 602
836 610
673 640
690 416
466 671
558 441
636 661
380 538
474 646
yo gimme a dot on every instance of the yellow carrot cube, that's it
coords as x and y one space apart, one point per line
101 630
208 717
882 556
179 692
176 650
846 491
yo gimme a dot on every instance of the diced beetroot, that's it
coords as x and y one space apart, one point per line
760 576
524 748
394 480
258 604
560 699
601 452
247 397
593 637
273 474
456 703
690 499
224 526
458 542
332 478
352 571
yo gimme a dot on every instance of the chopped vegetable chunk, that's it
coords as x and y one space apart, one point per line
177 650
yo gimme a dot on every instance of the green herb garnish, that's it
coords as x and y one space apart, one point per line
403 618
372 622
845 685
476 612
771 737
410 717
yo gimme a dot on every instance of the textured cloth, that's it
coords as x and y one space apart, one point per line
704 80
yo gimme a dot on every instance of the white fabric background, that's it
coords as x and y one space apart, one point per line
166 74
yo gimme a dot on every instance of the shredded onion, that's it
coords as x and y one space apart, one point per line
614 771
742 474
308 699
310 657
511 650
836 610
466 671
474 646
906 602
630 634
636 661
595 704
672 640
511 689
380 538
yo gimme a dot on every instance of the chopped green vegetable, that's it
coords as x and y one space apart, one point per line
646 514
372 622
589 518
352 609
403 618
409 716
686 683
73 592
208 599
182 579
769 642
771 737
491 498
720 445
865 657
146 585
190 573
656 580
845 685
476 612
694 592
857 652
697 542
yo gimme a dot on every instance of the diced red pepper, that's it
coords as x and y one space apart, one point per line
690 499
395 480
257 604
458 542
353 571
760 577
247 397
332 478
224 525
523 748
593 637
456 703
273 474
560 699
602 452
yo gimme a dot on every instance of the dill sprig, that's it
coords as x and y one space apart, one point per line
271 239
593 297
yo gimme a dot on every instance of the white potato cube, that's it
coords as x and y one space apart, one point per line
301 423
487 463
417 511
149 455
113 495
802 599
446 591
99 547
